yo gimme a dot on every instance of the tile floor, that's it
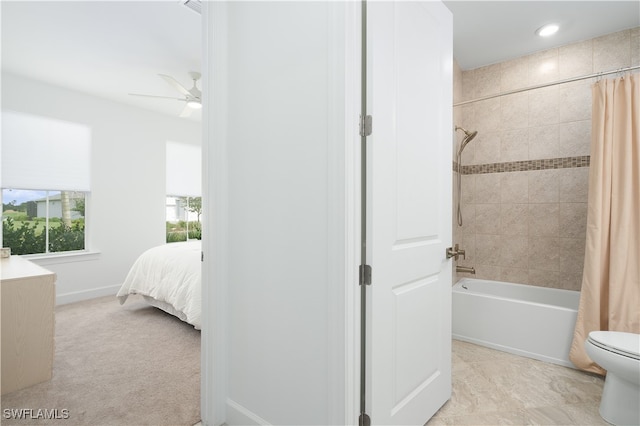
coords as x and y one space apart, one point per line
496 388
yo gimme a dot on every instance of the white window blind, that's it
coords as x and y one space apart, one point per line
184 169
45 153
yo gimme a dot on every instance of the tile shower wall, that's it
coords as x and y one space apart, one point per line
525 175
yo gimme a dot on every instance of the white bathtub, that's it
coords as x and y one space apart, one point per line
530 321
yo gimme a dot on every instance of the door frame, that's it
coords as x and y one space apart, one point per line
344 361
353 209
213 381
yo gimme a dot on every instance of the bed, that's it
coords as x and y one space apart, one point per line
168 277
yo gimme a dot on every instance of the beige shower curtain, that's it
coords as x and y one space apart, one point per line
610 295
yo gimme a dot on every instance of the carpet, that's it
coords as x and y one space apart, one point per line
115 365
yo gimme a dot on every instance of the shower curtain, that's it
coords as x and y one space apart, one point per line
610 295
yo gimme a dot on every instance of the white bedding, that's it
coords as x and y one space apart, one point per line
169 278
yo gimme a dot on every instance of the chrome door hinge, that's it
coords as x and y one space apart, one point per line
366 125
365 275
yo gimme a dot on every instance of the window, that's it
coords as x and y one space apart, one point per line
35 222
45 181
183 219
184 204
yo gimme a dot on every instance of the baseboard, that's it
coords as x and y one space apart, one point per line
78 296
239 415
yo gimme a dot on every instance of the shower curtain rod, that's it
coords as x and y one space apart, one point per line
539 86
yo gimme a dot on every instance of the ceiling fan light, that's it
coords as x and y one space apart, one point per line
194 104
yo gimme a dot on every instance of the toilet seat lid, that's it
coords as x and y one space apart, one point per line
626 344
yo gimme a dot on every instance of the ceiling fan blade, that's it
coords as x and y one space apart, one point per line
157 97
186 111
173 82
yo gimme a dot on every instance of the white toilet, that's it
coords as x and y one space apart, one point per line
619 354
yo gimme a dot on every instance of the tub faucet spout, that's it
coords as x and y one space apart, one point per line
466 269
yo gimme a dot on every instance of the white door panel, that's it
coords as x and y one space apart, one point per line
409 93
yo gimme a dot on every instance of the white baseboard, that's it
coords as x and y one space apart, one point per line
78 296
239 415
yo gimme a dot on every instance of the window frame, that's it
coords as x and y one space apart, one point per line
179 198
47 227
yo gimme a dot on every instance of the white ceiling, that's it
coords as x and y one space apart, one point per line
105 48
487 32
112 48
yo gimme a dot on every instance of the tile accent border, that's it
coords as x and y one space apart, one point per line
524 166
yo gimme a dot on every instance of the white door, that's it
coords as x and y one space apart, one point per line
409 95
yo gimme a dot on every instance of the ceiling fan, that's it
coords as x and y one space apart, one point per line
192 97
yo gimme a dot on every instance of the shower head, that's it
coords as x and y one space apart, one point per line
468 135
467 138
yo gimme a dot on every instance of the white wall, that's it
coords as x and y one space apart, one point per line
278 79
126 208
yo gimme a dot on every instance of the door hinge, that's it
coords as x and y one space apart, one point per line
365 275
364 420
366 125
201 256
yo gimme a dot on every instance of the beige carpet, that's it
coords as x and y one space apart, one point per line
116 365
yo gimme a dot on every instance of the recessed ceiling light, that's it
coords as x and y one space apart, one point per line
547 30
